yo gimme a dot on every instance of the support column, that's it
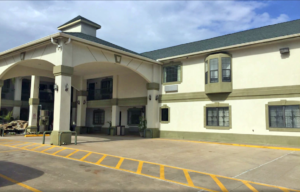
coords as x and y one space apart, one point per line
33 104
62 105
17 98
115 110
152 109
81 109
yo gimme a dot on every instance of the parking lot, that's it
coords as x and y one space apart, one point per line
114 163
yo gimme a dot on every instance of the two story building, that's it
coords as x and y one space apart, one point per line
242 87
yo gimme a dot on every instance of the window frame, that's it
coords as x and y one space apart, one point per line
216 70
160 114
179 73
217 105
280 103
226 69
133 109
99 111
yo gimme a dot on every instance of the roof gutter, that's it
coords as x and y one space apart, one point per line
230 47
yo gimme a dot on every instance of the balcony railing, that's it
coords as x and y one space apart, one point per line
99 94
43 96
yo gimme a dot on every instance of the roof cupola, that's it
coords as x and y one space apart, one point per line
80 25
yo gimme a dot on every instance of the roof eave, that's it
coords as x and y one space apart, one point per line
229 47
79 21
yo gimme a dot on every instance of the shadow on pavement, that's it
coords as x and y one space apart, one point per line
17 172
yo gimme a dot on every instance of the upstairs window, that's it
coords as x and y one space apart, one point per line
214 68
206 72
226 69
287 116
172 73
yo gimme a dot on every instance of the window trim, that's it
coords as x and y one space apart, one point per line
171 64
160 114
101 111
280 103
133 109
214 105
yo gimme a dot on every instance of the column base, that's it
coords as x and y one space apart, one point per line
31 129
64 140
155 132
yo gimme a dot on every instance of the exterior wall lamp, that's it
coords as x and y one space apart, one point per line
150 97
66 87
78 102
22 56
84 102
55 87
118 58
156 97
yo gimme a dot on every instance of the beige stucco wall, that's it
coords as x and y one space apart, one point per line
252 67
248 117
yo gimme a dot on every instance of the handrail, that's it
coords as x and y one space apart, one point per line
44 135
145 131
59 138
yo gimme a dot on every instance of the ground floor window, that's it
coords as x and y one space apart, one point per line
287 116
134 115
165 114
98 117
217 116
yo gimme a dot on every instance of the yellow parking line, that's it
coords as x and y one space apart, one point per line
101 159
249 186
223 188
19 144
162 172
140 167
46 149
72 153
28 146
36 147
188 178
235 144
18 183
283 189
120 163
85 156
57 151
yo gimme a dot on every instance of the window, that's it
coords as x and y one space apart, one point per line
206 71
134 116
172 73
164 114
217 116
226 69
287 116
214 66
99 117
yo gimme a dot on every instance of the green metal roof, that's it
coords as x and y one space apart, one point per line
267 32
77 18
100 41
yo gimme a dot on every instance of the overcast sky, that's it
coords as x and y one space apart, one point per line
141 25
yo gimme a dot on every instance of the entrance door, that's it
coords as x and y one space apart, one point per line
91 94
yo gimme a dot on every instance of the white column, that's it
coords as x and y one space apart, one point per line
17 97
81 107
62 103
152 109
115 116
33 102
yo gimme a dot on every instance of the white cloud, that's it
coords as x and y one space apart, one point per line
138 25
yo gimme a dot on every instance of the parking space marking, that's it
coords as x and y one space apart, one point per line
162 171
249 186
223 188
10 151
234 144
18 183
83 158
